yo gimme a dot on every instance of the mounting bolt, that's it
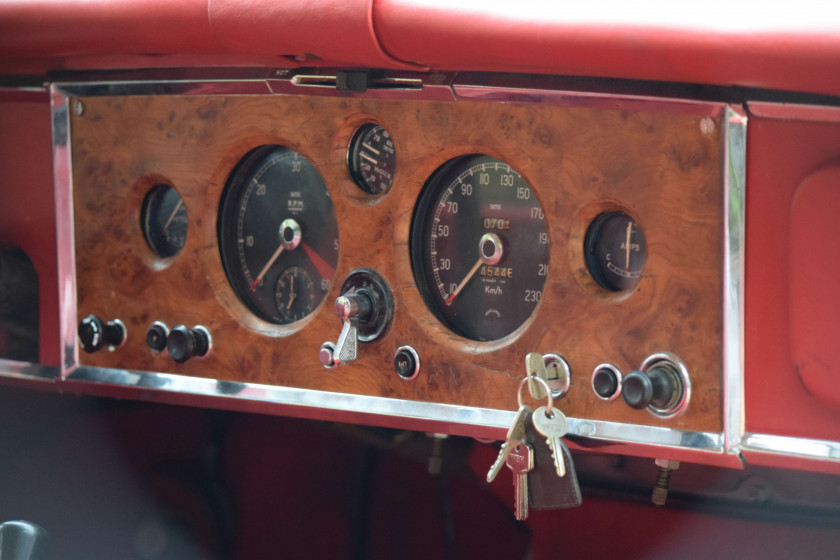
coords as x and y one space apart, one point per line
436 458
707 125
663 480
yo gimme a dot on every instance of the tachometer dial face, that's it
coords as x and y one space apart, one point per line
277 222
372 159
164 221
479 247
616 251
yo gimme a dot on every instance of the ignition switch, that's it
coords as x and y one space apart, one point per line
366 309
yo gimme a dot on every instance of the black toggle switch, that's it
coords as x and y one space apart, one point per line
94 334
184 343
657 387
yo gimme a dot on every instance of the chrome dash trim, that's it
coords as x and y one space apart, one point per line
794 111
459 420
169 87
646 435
792 447
734 181
65 237
284 81
534 93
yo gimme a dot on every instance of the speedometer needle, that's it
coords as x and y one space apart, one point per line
464 282
267 266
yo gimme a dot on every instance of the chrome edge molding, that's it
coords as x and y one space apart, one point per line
734 185
537 92
792 447
706 447
65 242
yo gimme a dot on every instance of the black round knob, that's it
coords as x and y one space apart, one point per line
94 334
184 343
656 387
156 336
605 383
406 362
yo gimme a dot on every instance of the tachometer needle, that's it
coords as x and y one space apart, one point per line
324 269
267 266
172 216
464 282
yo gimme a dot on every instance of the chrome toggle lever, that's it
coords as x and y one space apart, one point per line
365 308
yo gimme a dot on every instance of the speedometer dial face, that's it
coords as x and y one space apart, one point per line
479 247
278 234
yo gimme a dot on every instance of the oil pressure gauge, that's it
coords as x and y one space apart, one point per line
616 251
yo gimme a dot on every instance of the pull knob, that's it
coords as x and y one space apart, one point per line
657 387
94 334
184 343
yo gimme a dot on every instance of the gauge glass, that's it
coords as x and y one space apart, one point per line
276 224
479 247
163 219
616 251
372 159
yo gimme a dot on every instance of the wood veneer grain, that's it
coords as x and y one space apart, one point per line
659 167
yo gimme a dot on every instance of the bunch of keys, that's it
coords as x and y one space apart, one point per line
556 482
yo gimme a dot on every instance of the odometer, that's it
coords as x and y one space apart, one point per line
278 234
479 247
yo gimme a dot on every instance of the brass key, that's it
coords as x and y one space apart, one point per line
514 436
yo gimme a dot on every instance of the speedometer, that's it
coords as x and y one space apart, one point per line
479 247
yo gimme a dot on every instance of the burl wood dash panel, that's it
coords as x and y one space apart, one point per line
661 167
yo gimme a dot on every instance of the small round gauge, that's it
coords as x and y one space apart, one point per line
479 247
294 294
276 223
372 159
615 251
163 219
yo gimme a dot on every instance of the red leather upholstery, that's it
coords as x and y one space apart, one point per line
36 28
708 42
712 42
782 153
814 269
338 31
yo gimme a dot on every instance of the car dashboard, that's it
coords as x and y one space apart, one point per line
398 214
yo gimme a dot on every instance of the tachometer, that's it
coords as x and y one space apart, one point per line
278 234
479 247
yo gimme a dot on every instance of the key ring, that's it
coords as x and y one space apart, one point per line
548 408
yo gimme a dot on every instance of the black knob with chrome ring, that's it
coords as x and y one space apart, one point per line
184 343
94 334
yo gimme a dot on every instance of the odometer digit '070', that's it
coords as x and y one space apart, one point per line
278 235
479 247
